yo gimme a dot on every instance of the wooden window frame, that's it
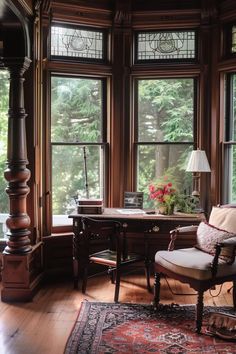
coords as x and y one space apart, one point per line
46 199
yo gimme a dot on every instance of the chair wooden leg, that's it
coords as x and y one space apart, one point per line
147 272
199 311
112 275
76 273
234 293
157 288
85 278
117 286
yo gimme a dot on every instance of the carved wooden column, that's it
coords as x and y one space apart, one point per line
22 263
17 174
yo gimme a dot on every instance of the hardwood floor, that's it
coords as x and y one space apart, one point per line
43 325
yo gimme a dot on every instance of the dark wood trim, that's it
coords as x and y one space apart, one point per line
171 19
227 11
22 275
168 70
27 6
78 68
87 15
228 65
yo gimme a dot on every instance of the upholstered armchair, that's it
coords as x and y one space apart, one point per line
209 262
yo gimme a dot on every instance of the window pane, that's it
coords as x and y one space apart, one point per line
76 43
4 103
155 161
76 109
231 169
166 45
165 110
68 178
234 39
232 125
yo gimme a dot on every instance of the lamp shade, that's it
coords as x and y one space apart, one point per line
198 162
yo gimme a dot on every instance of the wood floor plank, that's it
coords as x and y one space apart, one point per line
43 325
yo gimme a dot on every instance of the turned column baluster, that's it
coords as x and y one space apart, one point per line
16 173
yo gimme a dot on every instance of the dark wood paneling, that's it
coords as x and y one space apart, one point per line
57 253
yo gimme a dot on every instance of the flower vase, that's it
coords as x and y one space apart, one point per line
166 209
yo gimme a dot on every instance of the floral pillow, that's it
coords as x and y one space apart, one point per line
208 236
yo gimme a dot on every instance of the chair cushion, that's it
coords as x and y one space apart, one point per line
224 218
193 263
208 236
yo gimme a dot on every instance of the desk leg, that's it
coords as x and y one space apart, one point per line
147 260
75 263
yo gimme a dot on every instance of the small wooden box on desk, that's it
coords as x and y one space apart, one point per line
145 232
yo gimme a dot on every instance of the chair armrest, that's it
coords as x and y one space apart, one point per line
230 243
185 229
190 230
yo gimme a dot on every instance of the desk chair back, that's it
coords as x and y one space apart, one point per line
105 244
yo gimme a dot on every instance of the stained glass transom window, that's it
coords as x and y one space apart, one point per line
166 45
77 43
234 39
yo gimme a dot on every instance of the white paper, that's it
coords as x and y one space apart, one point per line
130 211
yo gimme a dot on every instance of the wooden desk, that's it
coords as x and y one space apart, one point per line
146 233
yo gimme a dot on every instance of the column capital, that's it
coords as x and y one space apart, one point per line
17 64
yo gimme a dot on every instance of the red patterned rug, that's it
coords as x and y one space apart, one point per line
104 328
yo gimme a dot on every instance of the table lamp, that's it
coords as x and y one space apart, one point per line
197 163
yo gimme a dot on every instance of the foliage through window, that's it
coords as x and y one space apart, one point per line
4 103
76 137
77 43
233 49
230 141
165 131
165 45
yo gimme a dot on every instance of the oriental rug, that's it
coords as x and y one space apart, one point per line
104 328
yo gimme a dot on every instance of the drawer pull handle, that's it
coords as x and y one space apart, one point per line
155 228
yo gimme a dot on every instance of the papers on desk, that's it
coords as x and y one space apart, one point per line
130 211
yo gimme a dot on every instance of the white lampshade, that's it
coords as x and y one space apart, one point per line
198 162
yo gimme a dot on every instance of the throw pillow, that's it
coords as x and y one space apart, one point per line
208 236
223 218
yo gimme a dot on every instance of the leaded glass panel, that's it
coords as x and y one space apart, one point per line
166 45
77 43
